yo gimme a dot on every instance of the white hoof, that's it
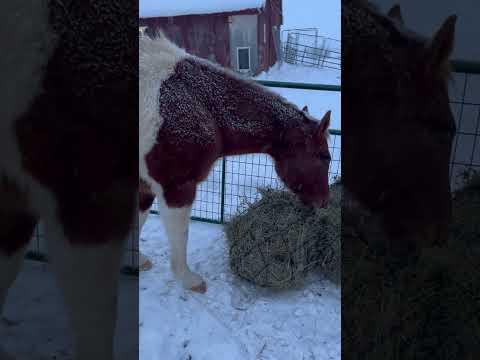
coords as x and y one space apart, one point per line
194 282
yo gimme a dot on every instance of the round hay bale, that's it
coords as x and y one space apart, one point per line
428 310
276 240
466 214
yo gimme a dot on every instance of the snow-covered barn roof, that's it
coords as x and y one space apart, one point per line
162 8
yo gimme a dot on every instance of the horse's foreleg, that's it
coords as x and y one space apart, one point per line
16 228
176 221
88 276
15 233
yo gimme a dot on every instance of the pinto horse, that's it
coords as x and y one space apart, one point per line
193 112
398 82
68 152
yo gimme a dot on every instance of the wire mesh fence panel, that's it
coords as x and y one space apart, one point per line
246 173
465 104
38 249
208 203
310 49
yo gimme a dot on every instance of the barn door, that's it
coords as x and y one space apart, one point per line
244 43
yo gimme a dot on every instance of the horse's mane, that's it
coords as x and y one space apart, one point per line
155 49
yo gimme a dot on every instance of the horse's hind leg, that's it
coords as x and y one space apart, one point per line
176 221
16 228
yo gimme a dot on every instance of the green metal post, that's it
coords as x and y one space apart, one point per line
302 86
222 194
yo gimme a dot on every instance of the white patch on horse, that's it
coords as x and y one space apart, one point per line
27 44
157 60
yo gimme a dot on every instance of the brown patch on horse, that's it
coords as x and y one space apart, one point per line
145 196
398 126
80 136
209 112
16 222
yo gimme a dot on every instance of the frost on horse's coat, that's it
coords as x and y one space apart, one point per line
68 154
208 112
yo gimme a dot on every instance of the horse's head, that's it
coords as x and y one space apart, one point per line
302 160
399 124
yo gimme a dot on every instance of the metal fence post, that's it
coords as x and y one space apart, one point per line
222 191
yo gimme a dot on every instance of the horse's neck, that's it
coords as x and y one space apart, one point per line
250 118
258 123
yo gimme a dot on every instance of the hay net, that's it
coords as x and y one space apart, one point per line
276 240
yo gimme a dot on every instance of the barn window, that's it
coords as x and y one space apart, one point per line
243 59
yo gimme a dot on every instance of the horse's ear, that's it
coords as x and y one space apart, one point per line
441 46
324 125
396 13
305 109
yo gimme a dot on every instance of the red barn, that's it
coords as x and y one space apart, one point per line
241 34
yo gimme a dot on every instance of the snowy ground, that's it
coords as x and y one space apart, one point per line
233 320
34 325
